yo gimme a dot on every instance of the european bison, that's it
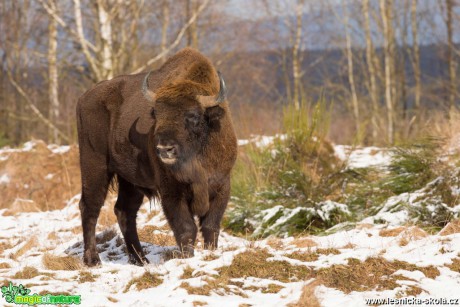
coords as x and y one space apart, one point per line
165 134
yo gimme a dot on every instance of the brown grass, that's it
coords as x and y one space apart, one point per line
106 236
210 257
4 265
145 281
26 273
66 263
308 297
392 232
313 255
146 235
272 288
455 266
107 216
254 263
370 274
112 299
4 246
303 242
28 172
86 276
188 272
32 242
451 228
199 303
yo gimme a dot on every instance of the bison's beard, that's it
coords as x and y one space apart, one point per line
193 173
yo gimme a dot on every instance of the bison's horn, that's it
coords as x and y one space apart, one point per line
148 94
222 96
211 101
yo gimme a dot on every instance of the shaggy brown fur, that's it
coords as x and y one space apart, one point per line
167 142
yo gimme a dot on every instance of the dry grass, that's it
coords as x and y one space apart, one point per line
147 235
210 257
392 232
370 274
145 281
4 246
52 236
303 242
86 276
112 299
272 288
308 298
455 266
4 265
254 263
107 216
199 303
66 263
29 172
32 242
188 272
28 272
106 236
451 228
313 255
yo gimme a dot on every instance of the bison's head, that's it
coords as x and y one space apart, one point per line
185 112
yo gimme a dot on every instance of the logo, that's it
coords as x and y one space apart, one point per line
21 296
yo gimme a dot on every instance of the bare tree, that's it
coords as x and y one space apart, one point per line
371 67
386 9
296 57
351 78
53 84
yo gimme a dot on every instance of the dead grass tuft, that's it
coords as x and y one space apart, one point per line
107 216
106 236
254 263
147 234
275 243
145 281
26 273
370 274
86 276
308 297
392 232
112 299
310 256
455 266
304 242
188 272
451 228
210 257
199 303
4 265
272 288
4 246
32 242
66 263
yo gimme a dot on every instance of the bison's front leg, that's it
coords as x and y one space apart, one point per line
182 223
128 203
210 223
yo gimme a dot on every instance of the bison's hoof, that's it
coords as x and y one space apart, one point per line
134 259
91 259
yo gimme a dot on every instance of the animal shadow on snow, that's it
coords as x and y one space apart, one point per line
111 248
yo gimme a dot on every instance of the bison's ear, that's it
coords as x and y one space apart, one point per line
213 116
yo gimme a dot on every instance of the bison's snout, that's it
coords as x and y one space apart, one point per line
167 153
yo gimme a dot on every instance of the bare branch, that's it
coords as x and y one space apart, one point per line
176 42
34 108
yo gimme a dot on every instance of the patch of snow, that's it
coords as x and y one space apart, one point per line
4 179
361 157
59 149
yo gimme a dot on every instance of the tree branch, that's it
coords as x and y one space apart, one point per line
176 41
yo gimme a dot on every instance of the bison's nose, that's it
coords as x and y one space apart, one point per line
167 153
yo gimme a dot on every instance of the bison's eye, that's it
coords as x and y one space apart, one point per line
152 113
192 119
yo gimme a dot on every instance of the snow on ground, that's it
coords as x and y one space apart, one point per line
58 233
113 276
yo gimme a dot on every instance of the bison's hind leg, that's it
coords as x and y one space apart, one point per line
95 186
128 203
